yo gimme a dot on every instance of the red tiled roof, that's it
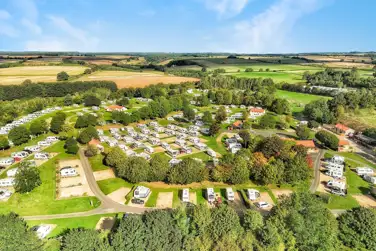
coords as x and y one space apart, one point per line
257 110
342 127
115 107
237 123
343 142
94 142
306 143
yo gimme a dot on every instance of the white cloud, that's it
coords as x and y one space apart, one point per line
33 27
28 7
69 38
147 13
4 14
226 8
269 31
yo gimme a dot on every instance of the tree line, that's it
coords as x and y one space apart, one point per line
298 222
335 78
263 160
55 89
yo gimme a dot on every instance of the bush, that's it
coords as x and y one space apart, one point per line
62 76
328 139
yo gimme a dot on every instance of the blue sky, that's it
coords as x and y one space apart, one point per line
243 26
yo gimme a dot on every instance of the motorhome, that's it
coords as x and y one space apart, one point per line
185 195
200 146
149 149
210 195
52 139
230 195
186 150
180 142
165 145
252 194
141 192
5 193
68 171
370 179
336 184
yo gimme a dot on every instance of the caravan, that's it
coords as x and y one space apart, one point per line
7 182
68 171
210 195
185 195
41 156
364 171
32 148
253 194
141 192
230 195
6 161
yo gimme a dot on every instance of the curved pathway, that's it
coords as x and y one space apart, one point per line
316 166
107 204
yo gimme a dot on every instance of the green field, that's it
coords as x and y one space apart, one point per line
298 100
96 163
88 222
110 185
42 200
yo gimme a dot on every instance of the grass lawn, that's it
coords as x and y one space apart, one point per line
355 183
201 155
110 185
88 222
288 77
96 163
339 202
42 199
360 119
298 100
212 143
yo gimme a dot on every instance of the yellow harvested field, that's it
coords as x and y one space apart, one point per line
41 70
15 80
125 79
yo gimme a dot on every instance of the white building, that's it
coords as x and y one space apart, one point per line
68 171
141 192
256 112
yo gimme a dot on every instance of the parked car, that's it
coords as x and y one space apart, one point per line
338 192
262 204
137 201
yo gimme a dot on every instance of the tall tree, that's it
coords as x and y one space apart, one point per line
27 178
19 135
15 235
85 240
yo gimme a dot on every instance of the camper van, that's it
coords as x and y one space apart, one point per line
211 153
149 149
253 194
141 192
185 195
68 171
336 184
7 182
41 155
370 179
4 193
210 195
6 161
230 194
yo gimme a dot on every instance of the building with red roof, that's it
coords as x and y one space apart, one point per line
256 112
112 108
342 129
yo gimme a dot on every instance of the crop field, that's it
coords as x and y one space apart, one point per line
16 75
125 79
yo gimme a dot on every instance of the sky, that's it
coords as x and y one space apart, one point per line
235 26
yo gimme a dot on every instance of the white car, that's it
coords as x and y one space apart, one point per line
262 204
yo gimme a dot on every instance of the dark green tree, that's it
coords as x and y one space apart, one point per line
92 101
19 135
159 168
27 178
115 157
130 235
62 76
134 169
85 240
187 171
221 114
87 134
328 139
214 129
38 127
15 235
207 118
303 132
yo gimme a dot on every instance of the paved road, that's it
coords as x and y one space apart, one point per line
316 166
107 204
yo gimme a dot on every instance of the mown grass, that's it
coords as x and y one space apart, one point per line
88 222
96 163
339 202
42 200
110 185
